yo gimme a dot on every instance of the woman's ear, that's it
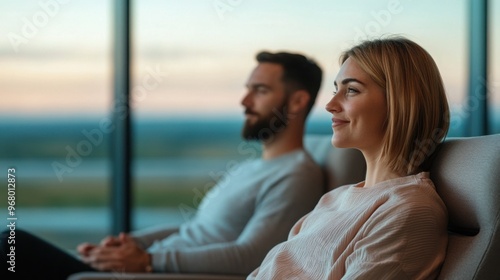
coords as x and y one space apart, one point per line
298 102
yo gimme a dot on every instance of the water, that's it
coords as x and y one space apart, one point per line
172 148
101 168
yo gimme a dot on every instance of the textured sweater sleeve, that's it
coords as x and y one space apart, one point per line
146 237
276 210
400 243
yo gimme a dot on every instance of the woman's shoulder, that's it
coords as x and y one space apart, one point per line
416 185
416 194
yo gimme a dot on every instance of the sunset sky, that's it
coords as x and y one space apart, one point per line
193 57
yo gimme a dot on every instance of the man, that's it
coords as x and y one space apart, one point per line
249 211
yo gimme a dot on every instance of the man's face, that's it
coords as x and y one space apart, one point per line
265 102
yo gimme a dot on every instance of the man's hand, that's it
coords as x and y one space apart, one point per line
85 248
118 254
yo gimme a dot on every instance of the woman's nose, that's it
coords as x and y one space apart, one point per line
333 105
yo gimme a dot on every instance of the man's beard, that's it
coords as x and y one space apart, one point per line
265 127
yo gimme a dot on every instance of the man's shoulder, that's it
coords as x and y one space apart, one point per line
291 166
305 163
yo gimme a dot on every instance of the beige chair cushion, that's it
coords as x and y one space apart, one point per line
466 172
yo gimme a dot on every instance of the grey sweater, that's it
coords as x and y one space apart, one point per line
240 219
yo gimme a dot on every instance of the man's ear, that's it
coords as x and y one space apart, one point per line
298 101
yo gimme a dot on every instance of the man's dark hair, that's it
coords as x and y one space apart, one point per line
299 72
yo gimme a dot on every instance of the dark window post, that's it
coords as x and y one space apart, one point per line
477 103
121 145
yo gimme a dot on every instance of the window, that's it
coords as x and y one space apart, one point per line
55 87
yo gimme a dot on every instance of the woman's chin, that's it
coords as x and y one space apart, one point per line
337 143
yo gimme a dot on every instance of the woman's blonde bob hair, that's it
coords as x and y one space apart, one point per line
418 113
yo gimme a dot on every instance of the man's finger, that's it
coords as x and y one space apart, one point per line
84 248
125 238
110 241
103 254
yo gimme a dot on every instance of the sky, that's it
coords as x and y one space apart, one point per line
193 57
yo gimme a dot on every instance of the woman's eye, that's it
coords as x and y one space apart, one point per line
351 91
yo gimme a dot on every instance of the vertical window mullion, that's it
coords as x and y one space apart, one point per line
477 103
122 140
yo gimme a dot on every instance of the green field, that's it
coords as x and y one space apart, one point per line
96 193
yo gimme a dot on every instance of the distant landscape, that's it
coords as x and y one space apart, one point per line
171 158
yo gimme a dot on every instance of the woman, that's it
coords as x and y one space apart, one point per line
390 104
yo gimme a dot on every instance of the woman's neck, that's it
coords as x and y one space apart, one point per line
377 171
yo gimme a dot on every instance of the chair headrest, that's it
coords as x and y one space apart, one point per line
466 172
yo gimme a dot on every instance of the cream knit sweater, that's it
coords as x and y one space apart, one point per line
395 229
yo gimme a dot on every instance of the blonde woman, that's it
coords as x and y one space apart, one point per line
390 104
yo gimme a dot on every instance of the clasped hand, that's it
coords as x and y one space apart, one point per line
119 253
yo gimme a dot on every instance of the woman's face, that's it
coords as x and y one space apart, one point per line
358 108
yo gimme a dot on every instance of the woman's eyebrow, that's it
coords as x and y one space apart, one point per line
348 80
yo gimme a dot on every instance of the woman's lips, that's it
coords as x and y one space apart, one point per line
338 122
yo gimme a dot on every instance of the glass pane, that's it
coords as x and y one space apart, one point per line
188 116
55 83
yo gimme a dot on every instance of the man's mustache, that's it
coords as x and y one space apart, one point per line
250 112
